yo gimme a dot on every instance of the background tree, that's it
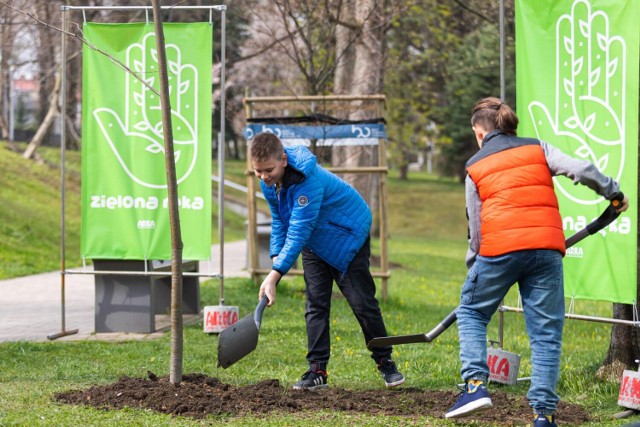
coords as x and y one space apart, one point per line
449 60
235 33
15 37
46 46
361 29
6 35
321 40
624 346
476 75
420 41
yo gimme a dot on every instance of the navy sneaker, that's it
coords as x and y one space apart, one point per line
314 379
540 420
473 398
389 372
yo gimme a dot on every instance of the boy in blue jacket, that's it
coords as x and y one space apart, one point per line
318 215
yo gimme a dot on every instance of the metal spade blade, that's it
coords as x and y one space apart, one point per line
241 338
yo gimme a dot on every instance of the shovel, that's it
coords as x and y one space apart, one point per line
241 338
606 218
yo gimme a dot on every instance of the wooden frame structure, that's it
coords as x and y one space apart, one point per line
340 106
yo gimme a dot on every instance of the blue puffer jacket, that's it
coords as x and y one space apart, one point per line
319 211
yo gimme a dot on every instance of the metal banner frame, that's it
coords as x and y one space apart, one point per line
518 309
63 270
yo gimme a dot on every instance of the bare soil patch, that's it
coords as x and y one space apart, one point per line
199 396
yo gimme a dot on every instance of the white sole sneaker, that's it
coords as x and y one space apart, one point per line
470 408
312 388
395 383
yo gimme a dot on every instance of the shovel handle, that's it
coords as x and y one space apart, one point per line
257 314
606 218
442 326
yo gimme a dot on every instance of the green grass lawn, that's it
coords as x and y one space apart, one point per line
427 244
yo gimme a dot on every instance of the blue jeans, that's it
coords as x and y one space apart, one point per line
539 276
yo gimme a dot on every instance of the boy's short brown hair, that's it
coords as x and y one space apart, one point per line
265 146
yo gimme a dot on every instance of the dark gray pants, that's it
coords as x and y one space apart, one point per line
358 288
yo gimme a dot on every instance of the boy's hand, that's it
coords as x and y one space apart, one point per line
268 287
625 205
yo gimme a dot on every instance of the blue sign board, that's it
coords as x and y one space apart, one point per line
364 131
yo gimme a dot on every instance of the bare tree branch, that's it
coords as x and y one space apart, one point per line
475 12
262 49
77 34
52 112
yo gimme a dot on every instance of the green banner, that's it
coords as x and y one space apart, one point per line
577 89
125 211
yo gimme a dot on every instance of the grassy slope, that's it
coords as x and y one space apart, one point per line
427 245
30 212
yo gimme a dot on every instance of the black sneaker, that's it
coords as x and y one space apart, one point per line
312 380
389 372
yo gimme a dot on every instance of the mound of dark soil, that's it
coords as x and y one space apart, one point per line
199 396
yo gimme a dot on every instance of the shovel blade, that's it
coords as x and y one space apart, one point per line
237 340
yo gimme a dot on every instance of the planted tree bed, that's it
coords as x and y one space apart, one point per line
199 396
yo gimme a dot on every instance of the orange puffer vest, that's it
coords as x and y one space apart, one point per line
519 205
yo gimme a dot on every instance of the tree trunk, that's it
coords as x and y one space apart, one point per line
74 88
624 347
403 172
368 66
52 113
4 129
345 50
48 41
175 371
365 71
5 77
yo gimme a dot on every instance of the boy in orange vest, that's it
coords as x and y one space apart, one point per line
516 235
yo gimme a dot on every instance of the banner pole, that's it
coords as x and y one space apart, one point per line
221 151
63 87
221 212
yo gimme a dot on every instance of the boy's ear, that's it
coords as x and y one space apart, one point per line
479 133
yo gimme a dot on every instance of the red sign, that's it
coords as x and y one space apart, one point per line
629 396
218 318
503 366
498 366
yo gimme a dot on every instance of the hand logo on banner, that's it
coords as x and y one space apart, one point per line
134 132
589 121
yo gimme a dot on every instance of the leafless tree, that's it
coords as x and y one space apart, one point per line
175 371
33 40
43 53
52 112
12 32
316 47
360 30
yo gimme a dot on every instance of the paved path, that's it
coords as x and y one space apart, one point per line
31 306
